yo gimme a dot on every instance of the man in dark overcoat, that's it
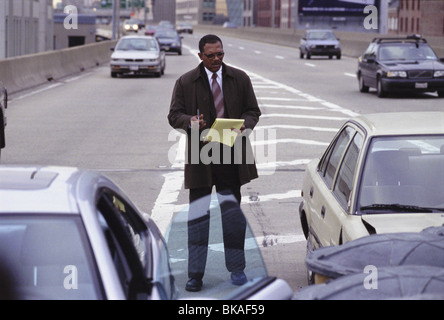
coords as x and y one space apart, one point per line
193 110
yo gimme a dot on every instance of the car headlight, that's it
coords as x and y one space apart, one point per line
438 74
135 26
126 27
397 74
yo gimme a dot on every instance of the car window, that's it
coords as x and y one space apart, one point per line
127 240
371 51
330 161
344 183
406 51
137 44
406 171
321 35
217 282
47 257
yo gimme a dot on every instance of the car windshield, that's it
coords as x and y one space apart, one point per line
137 44
403 174
166 34
406 51
321 35
45 258
217 282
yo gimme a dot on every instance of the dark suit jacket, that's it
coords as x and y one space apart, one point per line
191 92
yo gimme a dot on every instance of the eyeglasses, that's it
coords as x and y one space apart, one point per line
214 55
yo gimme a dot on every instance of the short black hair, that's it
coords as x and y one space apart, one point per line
209 38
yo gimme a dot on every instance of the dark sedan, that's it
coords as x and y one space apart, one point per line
169 40
400 64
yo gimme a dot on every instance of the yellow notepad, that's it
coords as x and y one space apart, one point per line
221 131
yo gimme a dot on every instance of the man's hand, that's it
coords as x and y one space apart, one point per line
197 123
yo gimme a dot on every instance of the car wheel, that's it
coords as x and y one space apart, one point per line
441 94
310 274
308 55
338 56
379 89
330 57
362 86
301 55
113 74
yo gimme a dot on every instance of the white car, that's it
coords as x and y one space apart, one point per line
137 55
67 233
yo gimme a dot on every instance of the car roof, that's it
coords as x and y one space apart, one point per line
402 123
44 189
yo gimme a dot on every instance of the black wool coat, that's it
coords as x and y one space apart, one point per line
192 92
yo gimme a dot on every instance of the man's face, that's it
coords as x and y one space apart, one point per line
212 56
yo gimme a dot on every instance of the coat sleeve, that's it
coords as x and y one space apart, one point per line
250 107
178 116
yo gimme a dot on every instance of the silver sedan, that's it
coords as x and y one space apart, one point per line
67 233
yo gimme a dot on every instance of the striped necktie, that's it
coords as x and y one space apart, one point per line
218 97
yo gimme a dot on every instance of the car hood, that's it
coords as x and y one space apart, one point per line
124 54
408 222
414 64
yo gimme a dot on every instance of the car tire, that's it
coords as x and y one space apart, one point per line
113 74
310 274
381 93
301 55
441 94
308 56
338 56
362 86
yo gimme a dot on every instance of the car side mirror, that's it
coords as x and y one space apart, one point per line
304 38
112 49
370 60
441 59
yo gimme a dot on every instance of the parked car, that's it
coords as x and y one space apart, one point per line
184 27
137 55
169 40
381 173
68 233
132 25
405 64
3 106
319 43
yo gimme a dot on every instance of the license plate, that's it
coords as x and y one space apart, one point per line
421 85
134 68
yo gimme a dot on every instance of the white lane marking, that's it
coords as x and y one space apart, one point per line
350 74
310 65
298 141
279 57
301 116
263 105
295 127
55 85
257 51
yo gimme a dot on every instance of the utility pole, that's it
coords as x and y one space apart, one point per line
116 20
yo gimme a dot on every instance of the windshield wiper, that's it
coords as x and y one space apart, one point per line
396 207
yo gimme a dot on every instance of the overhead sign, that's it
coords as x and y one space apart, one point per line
335 7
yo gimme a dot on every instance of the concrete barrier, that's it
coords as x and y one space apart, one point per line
353 43
24 72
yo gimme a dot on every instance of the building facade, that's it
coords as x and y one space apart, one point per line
26 27
425 17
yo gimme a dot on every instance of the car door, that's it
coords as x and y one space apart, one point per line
324 207
368 65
